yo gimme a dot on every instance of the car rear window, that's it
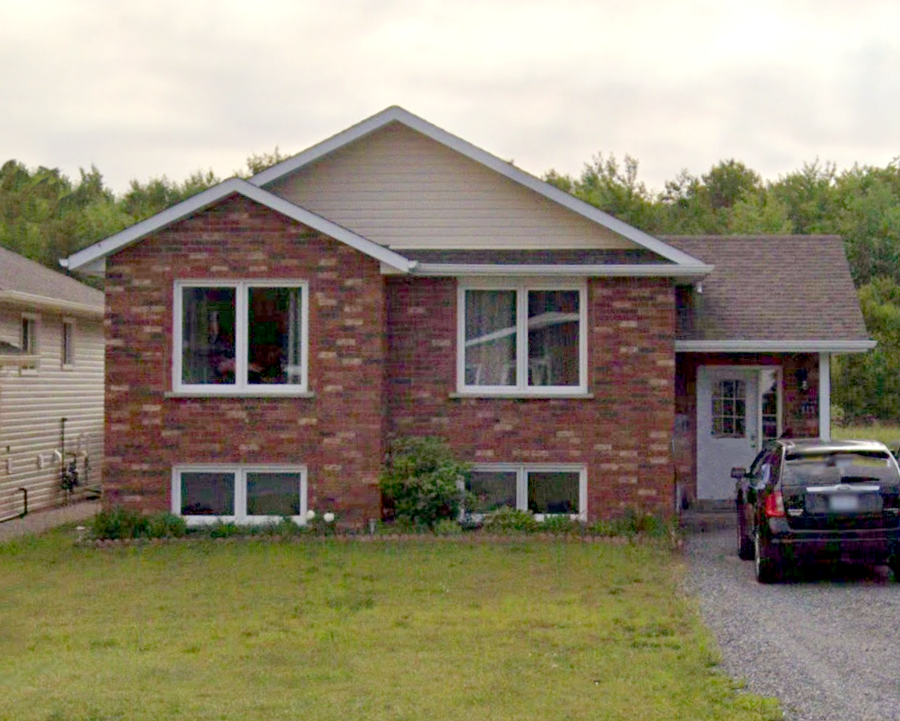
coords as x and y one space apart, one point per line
839 467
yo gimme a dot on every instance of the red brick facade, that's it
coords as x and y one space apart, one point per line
382 362
338 433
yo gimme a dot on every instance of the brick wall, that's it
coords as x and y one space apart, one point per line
337 433
621 434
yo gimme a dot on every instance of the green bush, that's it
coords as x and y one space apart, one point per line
561 526
421 481
447 527
632 523
166 525
119 522
510 520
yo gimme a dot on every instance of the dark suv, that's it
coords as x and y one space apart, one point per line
807 500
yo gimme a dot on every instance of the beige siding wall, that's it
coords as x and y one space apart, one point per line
404 190
32 404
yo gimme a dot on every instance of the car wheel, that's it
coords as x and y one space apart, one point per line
767 561
745 542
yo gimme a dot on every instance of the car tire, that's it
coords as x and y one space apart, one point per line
766 561
745 541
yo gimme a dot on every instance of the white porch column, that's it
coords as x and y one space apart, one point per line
825 396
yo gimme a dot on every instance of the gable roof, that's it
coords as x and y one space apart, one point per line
396 114
92 258
27 284
772 293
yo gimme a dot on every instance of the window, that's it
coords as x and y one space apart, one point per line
68 344
524 339
28 341
241 337
542 489
729 409
206 494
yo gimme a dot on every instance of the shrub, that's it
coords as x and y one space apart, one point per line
447 527
421 481
510 520
166 525
119 522
561 526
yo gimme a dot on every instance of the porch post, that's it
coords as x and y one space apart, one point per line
825 396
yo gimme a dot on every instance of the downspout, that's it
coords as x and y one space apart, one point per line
825 396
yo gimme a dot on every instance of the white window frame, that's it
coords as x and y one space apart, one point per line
521 286
68 355
522 470
241 386
240 472
34 333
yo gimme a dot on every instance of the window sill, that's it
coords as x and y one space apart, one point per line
236 394
521 395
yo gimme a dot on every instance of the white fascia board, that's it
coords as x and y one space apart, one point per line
774 346
39 302
583 271
504 168
88 257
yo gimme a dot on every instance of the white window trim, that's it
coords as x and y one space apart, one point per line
521 286
73 335
31 368
241 388
522 470
240 493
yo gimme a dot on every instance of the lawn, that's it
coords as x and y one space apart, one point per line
348 630
884 432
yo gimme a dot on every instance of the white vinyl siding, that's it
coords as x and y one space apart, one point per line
33 404
401 189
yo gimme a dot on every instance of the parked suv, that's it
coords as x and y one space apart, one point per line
806 500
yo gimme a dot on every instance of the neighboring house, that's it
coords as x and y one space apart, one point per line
51 384
266 339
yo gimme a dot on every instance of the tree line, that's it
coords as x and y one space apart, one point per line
45 215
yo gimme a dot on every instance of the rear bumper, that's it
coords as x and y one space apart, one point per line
874 546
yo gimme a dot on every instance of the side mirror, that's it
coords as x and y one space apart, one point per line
895 450
738 473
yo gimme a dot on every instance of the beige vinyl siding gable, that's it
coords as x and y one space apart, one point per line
402 189
32 404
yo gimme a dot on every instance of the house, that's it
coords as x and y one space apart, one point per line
267 338
51 385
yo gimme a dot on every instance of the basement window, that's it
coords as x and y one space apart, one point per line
545 490
239 494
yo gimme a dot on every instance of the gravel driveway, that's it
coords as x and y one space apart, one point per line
827 644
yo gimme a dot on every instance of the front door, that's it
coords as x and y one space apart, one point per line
737 409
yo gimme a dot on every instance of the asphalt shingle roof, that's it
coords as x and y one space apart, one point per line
774 288
22 275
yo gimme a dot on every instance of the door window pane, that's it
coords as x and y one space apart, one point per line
553 492
207 494
492 490
729 409
490 337
273 494
553 357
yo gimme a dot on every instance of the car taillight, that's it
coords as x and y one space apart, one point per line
775 505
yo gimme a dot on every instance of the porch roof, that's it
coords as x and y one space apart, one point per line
776 293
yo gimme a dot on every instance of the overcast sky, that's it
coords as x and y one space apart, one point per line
148 88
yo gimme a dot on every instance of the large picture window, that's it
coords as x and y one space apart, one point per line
545 490
241 337
259 494
519 338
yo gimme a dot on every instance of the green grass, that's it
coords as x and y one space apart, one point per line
330 630
888 434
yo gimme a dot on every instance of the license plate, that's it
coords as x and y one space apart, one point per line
843 504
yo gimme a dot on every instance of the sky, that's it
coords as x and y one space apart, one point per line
142 89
